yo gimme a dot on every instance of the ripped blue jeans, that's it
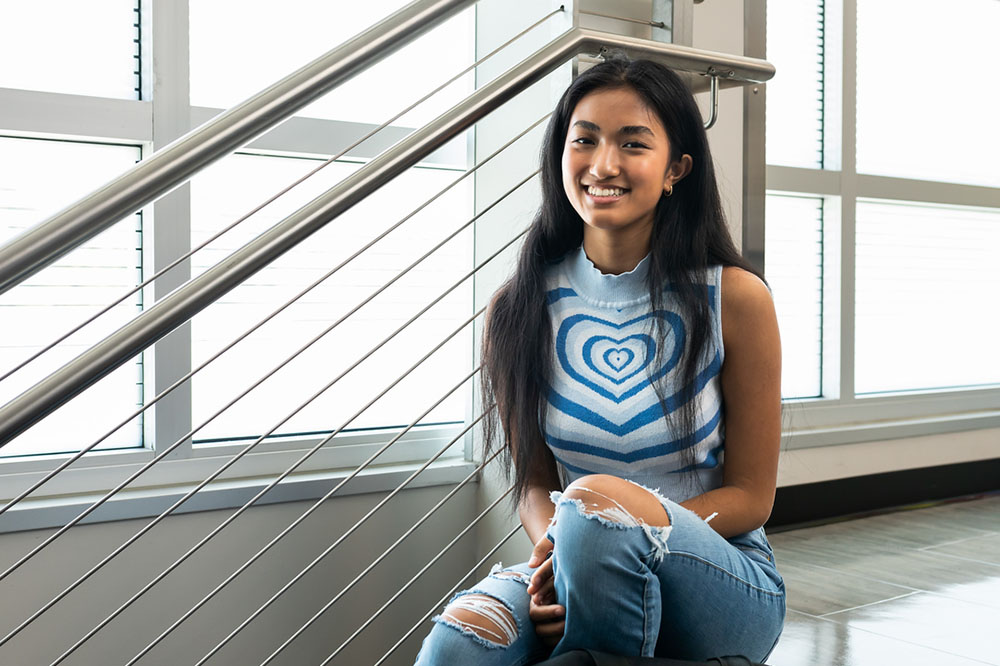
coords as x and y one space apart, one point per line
679 591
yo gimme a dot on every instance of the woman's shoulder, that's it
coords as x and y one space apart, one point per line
746 300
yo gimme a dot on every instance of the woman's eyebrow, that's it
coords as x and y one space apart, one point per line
587 125
636 129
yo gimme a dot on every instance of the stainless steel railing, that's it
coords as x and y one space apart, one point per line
179 161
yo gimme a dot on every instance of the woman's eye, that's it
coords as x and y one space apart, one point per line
635 144
581 140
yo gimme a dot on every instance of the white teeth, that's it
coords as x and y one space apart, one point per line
605 192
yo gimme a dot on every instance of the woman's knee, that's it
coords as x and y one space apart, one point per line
482 618
617 500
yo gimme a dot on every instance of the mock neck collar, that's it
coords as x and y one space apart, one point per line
605 289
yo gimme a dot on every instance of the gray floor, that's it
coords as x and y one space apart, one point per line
911 587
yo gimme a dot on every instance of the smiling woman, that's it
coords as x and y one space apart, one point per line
633 348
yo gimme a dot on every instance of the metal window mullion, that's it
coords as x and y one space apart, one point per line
416 576
451 592
848 201
171 227
754 123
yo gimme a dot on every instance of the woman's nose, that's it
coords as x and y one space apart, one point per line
605 162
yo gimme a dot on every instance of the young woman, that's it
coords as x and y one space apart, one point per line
635 363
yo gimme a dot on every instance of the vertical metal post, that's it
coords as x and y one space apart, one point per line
171 221
663 12
682 23
754 156
848 198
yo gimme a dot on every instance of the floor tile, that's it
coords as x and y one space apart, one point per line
817 591
964 579
809 641
940 623
977 549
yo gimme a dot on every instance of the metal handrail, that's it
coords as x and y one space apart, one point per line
177 162
182 304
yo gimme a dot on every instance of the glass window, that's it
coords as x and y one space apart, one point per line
795 95
37 178
226 38
924 109
68 46
927 285
228 190
794 264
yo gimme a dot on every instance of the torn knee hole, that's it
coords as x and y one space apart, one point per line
591 502
483 616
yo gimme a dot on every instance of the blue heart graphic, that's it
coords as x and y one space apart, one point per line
599 351
634 352
618 359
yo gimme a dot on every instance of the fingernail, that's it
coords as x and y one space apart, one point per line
560 610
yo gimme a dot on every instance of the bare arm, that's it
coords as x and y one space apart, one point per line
536 510
751 391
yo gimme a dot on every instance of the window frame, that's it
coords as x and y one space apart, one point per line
842 416
161 116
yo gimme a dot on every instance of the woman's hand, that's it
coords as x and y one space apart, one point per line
545 613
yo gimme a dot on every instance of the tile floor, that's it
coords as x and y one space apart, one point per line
910 588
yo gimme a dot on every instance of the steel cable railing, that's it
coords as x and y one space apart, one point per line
416 576
269 317
291 526
247 449
316 448
186 301
176 262
319 558
448 595
177 443
273 483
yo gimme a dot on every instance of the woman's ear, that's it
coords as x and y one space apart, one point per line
677 170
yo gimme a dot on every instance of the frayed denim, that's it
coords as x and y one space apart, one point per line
678 591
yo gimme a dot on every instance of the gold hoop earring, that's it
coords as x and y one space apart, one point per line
669 191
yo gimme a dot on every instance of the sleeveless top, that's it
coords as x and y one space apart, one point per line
602 414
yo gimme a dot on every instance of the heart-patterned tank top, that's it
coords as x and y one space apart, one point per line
602 414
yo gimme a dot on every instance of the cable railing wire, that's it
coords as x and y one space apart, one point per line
218 529
169 449
350 531
260 323
415 577
388 551
450 593
301 460
121 548
176 262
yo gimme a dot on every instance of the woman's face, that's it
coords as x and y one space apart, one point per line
616 162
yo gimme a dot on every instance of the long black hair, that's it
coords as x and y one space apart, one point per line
689 234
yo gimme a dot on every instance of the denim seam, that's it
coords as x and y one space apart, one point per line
728 573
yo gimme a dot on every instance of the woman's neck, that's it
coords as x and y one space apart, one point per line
614 254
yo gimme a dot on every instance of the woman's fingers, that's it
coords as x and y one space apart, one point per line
545 593
540 576
549 622
538 553
547 614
